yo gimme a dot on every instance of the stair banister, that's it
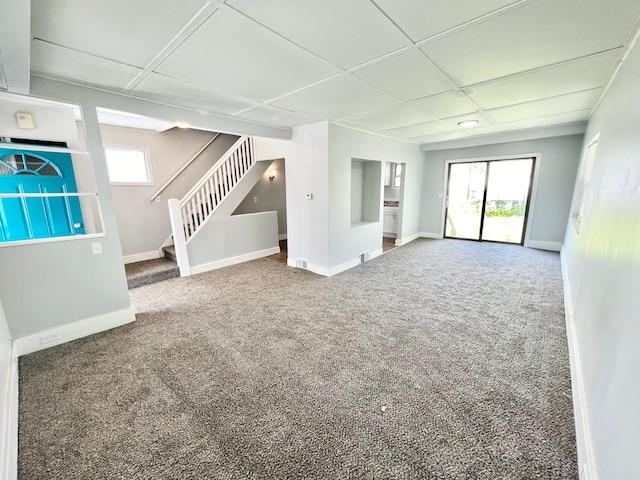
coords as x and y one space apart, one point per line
211 171
183 168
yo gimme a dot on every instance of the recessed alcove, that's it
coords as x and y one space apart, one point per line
366 177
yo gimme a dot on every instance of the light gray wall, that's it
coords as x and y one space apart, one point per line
556 177
51 284
234 236
603 263
346 243
144 225
357 187
270 195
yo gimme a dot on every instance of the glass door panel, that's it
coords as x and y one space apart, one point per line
464 200
506 200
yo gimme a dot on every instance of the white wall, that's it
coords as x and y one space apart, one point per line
8 402
603 273
308 220
144 225
270 195
346 243
556 177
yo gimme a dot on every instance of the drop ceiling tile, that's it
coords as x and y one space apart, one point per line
540 122
438 126
178 92
61 62
585 74
539 34
233 53
407 76
571 102
347 33
274 116
393 117
339 97
121 30
445 105
426 18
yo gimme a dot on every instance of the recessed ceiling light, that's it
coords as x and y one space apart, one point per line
468 123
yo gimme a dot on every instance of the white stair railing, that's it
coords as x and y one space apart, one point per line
201 202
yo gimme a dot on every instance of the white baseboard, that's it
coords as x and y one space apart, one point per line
141 257
206 267
9 421
437 236
586 459
73 331
282 236
405 240
352 263
540 245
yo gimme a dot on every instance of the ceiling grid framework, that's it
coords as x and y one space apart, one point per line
410 70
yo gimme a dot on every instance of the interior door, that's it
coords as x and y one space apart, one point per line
489 200
31 173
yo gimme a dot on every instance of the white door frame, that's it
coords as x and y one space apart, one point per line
534 187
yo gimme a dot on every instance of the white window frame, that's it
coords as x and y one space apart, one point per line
147 159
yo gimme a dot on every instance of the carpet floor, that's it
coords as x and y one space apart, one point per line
439 360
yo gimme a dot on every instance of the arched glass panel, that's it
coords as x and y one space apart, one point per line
27 164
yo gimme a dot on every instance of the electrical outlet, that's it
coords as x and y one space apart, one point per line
49 337
96 248
255 199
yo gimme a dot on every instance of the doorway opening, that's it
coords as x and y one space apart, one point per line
489 200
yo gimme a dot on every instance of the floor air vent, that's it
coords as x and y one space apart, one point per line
301 263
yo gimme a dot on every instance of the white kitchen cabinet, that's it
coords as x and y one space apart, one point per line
390 221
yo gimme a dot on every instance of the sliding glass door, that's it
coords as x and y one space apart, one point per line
489 200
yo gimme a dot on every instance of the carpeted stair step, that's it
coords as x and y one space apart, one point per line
170 253
150 271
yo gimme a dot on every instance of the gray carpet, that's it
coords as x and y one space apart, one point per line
150 271
439 360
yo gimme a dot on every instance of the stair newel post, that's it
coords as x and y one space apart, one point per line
179 238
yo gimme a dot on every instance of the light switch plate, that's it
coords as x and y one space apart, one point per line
96 248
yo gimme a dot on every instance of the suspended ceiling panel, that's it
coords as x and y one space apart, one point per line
542 33
336 98
445 105
580 101
407 76
179 92
62 62
229 51
489 129
584 74
393 117
275 116
426 18
410 69
335 23
129 32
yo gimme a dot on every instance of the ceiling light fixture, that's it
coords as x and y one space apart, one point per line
468 123
182 125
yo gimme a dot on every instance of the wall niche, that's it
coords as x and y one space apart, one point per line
366 178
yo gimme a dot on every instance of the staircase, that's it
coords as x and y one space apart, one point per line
213 199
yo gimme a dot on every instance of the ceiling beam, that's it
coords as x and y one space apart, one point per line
15 44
